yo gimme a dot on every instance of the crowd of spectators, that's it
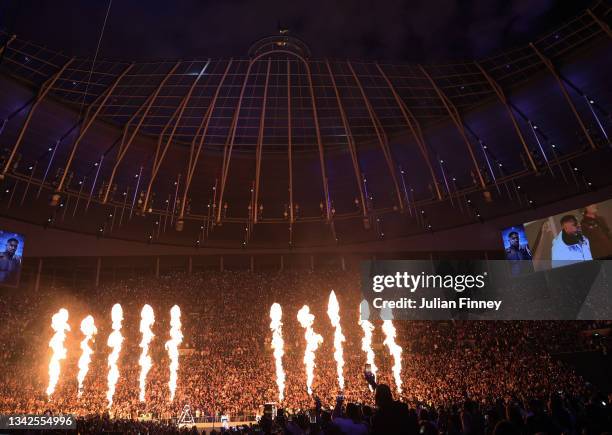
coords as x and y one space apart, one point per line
458 376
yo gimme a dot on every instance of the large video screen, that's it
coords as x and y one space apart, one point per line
573 236
11 254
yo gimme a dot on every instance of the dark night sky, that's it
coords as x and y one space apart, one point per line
421 30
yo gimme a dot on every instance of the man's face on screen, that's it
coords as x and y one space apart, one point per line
570 227
11 247
514 240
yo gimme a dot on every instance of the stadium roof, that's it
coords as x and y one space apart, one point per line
353 140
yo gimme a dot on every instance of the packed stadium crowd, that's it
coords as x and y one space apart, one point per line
458 376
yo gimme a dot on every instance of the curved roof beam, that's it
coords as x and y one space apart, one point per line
350 141
160 154
88 123
194 153
124 146
259 151
453 113
547 62
382 138
227 153
42 93
415 129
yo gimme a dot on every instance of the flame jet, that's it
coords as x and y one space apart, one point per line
313 341
59 323
176 338
395 350
368 331
88 329
333 311
276 314
147 318
115 340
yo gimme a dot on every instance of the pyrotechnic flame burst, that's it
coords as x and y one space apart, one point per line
88 328
313 341
306 319
366 341
176 338
395 350
333 311
59 323
115 339
276 314
147 318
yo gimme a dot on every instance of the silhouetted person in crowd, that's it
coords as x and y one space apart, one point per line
560 417
539 421
506 427
514 416
472 420
351 423
391 417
